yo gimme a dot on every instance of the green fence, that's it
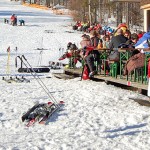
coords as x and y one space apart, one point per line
116 69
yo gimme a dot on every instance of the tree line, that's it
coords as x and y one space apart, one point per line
99 10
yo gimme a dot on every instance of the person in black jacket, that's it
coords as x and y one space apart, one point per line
118 39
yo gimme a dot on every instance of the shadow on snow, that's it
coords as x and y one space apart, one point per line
115 134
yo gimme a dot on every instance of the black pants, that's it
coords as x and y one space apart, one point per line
90 62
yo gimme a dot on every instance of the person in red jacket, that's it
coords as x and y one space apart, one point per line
140 34
13 19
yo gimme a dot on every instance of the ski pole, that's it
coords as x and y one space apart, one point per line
40 58
8 61
62 52
82 70
59 55
39 81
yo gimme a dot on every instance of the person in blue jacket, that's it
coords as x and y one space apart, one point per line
143 41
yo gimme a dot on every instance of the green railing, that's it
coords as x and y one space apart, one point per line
137 75
116 68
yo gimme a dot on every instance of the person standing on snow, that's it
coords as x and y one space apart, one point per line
13 20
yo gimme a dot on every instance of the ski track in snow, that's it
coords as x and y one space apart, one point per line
95 116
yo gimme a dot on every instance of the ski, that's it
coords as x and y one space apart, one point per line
53 108
16 79
31 122
39 113
49 111
47 116
23 79
25 116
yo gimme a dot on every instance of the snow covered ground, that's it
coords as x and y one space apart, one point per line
96 116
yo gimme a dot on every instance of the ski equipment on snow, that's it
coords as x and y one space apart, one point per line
39 112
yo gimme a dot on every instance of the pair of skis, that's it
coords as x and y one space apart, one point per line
22 79
40 113
16 79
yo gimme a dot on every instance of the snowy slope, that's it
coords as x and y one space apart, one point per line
96 116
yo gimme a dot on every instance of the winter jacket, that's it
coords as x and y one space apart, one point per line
134 62
12 18
142 42
117 40
85 42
